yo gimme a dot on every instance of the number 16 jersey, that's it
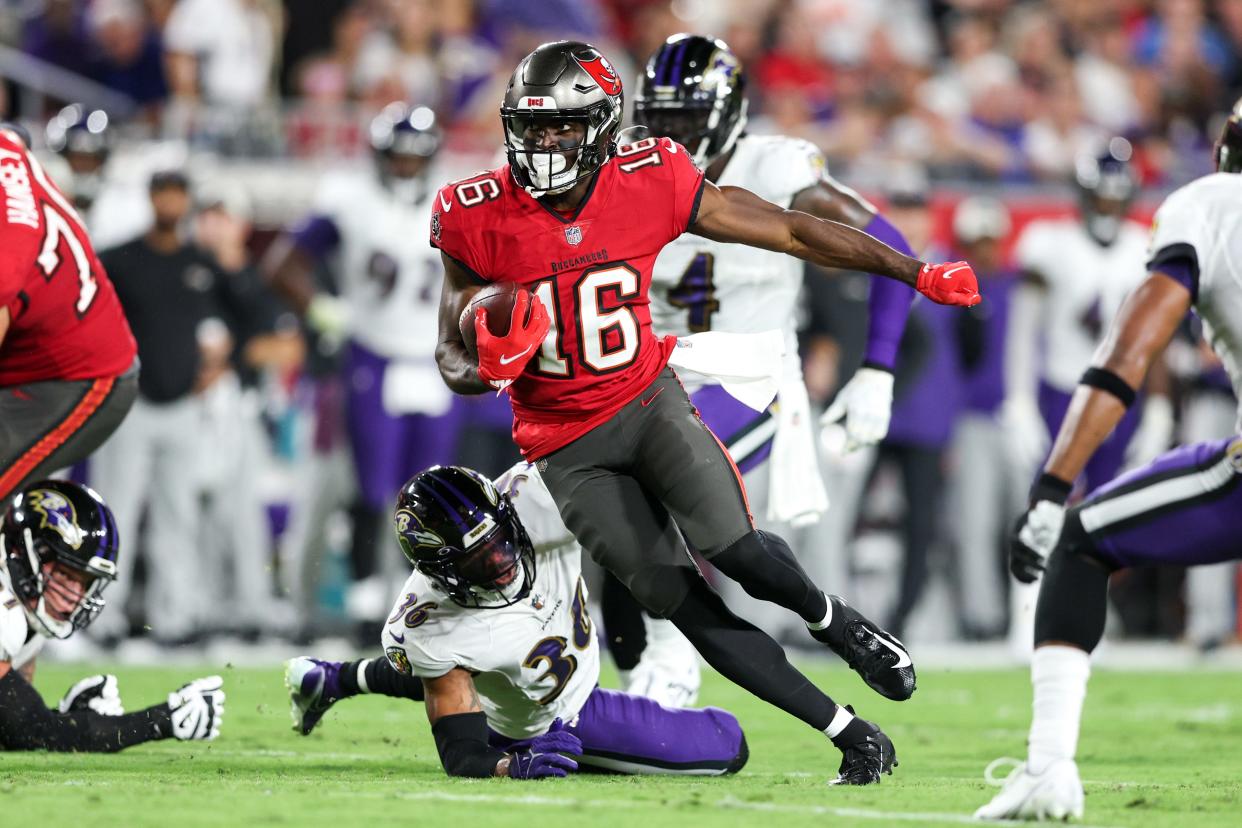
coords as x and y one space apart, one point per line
590 268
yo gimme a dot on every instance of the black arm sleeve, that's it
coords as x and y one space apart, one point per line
461 740
26 723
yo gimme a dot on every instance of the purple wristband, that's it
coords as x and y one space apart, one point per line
890 301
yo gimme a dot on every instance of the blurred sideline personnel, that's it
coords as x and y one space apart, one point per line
68 367
985 483
399 415
58 552
1075 273
1184 508
187 306
492 632
579 221
694 91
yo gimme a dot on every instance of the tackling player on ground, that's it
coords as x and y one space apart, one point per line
1184 508
68 362
634 471
693 90
492 632
58 550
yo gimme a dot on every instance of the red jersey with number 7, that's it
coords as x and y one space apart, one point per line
65 321
591 269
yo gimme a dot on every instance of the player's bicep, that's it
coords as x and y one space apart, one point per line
451 694
1146 322
734 214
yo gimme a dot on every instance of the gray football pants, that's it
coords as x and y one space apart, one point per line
631 487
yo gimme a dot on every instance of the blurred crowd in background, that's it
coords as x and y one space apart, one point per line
1008 90
217 119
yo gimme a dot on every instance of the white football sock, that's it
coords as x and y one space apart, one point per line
827 619
1059 678
362 675
839 722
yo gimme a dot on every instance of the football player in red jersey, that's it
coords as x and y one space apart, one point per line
579 221
68 362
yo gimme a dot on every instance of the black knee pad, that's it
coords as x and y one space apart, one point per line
662 589
1073 599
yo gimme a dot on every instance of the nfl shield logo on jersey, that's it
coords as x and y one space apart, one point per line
573 235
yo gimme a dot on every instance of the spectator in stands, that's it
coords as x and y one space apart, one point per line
129 57
220 51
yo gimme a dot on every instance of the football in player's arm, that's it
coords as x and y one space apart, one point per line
58 548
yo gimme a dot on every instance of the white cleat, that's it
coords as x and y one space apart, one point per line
668 671
1054 794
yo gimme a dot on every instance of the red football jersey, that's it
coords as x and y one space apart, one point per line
591 269
65 322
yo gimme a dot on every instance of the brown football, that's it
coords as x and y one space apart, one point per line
498 298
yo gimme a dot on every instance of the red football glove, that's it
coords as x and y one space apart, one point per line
950 283
503 358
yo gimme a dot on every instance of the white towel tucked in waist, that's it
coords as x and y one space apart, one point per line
796 493
747 366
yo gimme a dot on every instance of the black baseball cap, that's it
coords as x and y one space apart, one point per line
168 179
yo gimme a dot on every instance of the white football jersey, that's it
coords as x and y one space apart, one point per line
18 643
1086 284
1205 215
700 285
388 274
534 661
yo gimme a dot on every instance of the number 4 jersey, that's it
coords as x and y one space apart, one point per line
65 322
591 268
534 661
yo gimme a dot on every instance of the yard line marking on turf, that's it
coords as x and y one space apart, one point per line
725 803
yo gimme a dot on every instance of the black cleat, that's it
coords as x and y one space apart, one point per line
867 753
878 657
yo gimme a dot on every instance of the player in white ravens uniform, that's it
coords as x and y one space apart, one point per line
492 631
693 90
399 415
1184 508
58 550
1075 273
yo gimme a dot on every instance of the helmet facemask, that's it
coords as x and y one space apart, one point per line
552 170
497 570
37 573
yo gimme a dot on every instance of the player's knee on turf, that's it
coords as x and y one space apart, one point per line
1073 598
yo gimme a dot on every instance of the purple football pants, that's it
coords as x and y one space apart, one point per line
1109 457
388 449
746 433
628 734
1183 508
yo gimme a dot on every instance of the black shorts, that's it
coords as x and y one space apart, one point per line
631 488
45 426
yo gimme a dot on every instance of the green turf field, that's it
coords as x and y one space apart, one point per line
1158 750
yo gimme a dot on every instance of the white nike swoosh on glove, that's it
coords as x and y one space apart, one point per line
903 658
505 360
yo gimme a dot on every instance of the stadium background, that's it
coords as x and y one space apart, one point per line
918 104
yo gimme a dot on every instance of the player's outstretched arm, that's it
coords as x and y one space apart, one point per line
26 723
460 731
733 214
1147 321
459 369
